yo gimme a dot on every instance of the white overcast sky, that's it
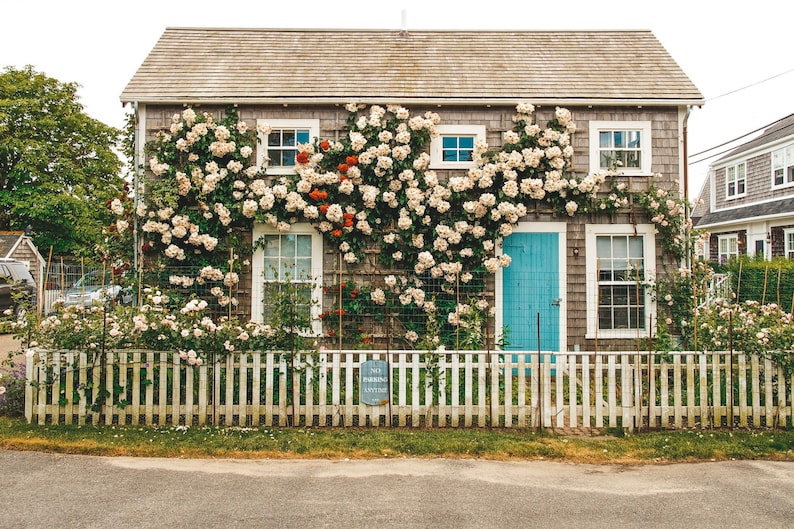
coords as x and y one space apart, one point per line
725 47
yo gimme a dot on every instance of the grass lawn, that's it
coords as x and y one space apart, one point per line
336 443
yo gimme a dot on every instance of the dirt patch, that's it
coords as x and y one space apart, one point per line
9 347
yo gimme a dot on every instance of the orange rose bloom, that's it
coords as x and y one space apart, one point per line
302 157
352 160
343 167
325 145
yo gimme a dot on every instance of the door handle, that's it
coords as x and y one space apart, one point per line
556 301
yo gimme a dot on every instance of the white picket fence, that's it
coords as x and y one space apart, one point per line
445 389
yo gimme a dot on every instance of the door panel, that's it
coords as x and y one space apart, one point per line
531 291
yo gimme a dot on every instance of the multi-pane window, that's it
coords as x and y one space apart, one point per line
783 166
736 180
728 247
282 145
788 238
453 147
287 272
621 274
623 146
457 148
620 149
287 260
279 140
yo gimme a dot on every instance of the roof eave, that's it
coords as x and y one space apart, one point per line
496 101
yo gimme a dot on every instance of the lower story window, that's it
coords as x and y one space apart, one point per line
620 262
788 237
287 264
728 247
621 274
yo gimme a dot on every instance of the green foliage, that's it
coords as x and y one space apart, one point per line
762 281
750 327
337 443
58 166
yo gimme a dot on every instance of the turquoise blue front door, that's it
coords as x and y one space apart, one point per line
531 292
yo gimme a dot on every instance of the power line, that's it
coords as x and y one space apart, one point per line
750 85
732 141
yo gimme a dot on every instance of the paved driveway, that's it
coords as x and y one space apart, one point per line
41 490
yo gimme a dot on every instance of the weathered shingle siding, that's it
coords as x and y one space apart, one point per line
665 151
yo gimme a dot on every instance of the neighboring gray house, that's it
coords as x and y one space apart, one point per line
615 83
747 201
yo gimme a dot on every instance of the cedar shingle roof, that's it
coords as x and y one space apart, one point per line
367 66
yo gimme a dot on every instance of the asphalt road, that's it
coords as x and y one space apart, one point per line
61 491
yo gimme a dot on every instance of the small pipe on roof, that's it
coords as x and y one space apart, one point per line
404 25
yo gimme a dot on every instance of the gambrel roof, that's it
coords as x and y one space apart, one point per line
375 66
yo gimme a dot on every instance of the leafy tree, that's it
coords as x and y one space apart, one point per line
58 166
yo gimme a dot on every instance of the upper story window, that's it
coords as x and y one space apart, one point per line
736 180
624 146
454 146
788 243
278 149
728 247
783 166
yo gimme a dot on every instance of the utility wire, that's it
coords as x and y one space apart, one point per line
750 85
743 135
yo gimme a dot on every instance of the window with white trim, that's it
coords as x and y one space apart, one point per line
277 149
783 167
454 146
293 257
620 262
736 180
728 247
624 146
788 243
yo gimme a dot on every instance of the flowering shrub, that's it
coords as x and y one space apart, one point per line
668 214
750 327
372 190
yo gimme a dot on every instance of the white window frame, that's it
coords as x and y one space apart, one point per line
644 127
313 125
727 239
788 243
783 159
258 271
436 144
592 232
736 181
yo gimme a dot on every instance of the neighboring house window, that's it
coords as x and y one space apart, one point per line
783 166
736 180
454 146
624 146
728 247
788 238
278 149
620 263
294 257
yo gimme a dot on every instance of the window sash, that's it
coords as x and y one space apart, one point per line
457 148
282 145
728 248
620 148
621 289
783 166
788 236
736 180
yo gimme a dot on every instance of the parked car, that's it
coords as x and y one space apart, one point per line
93 289
16 285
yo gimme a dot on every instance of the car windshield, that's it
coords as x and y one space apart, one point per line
94 279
